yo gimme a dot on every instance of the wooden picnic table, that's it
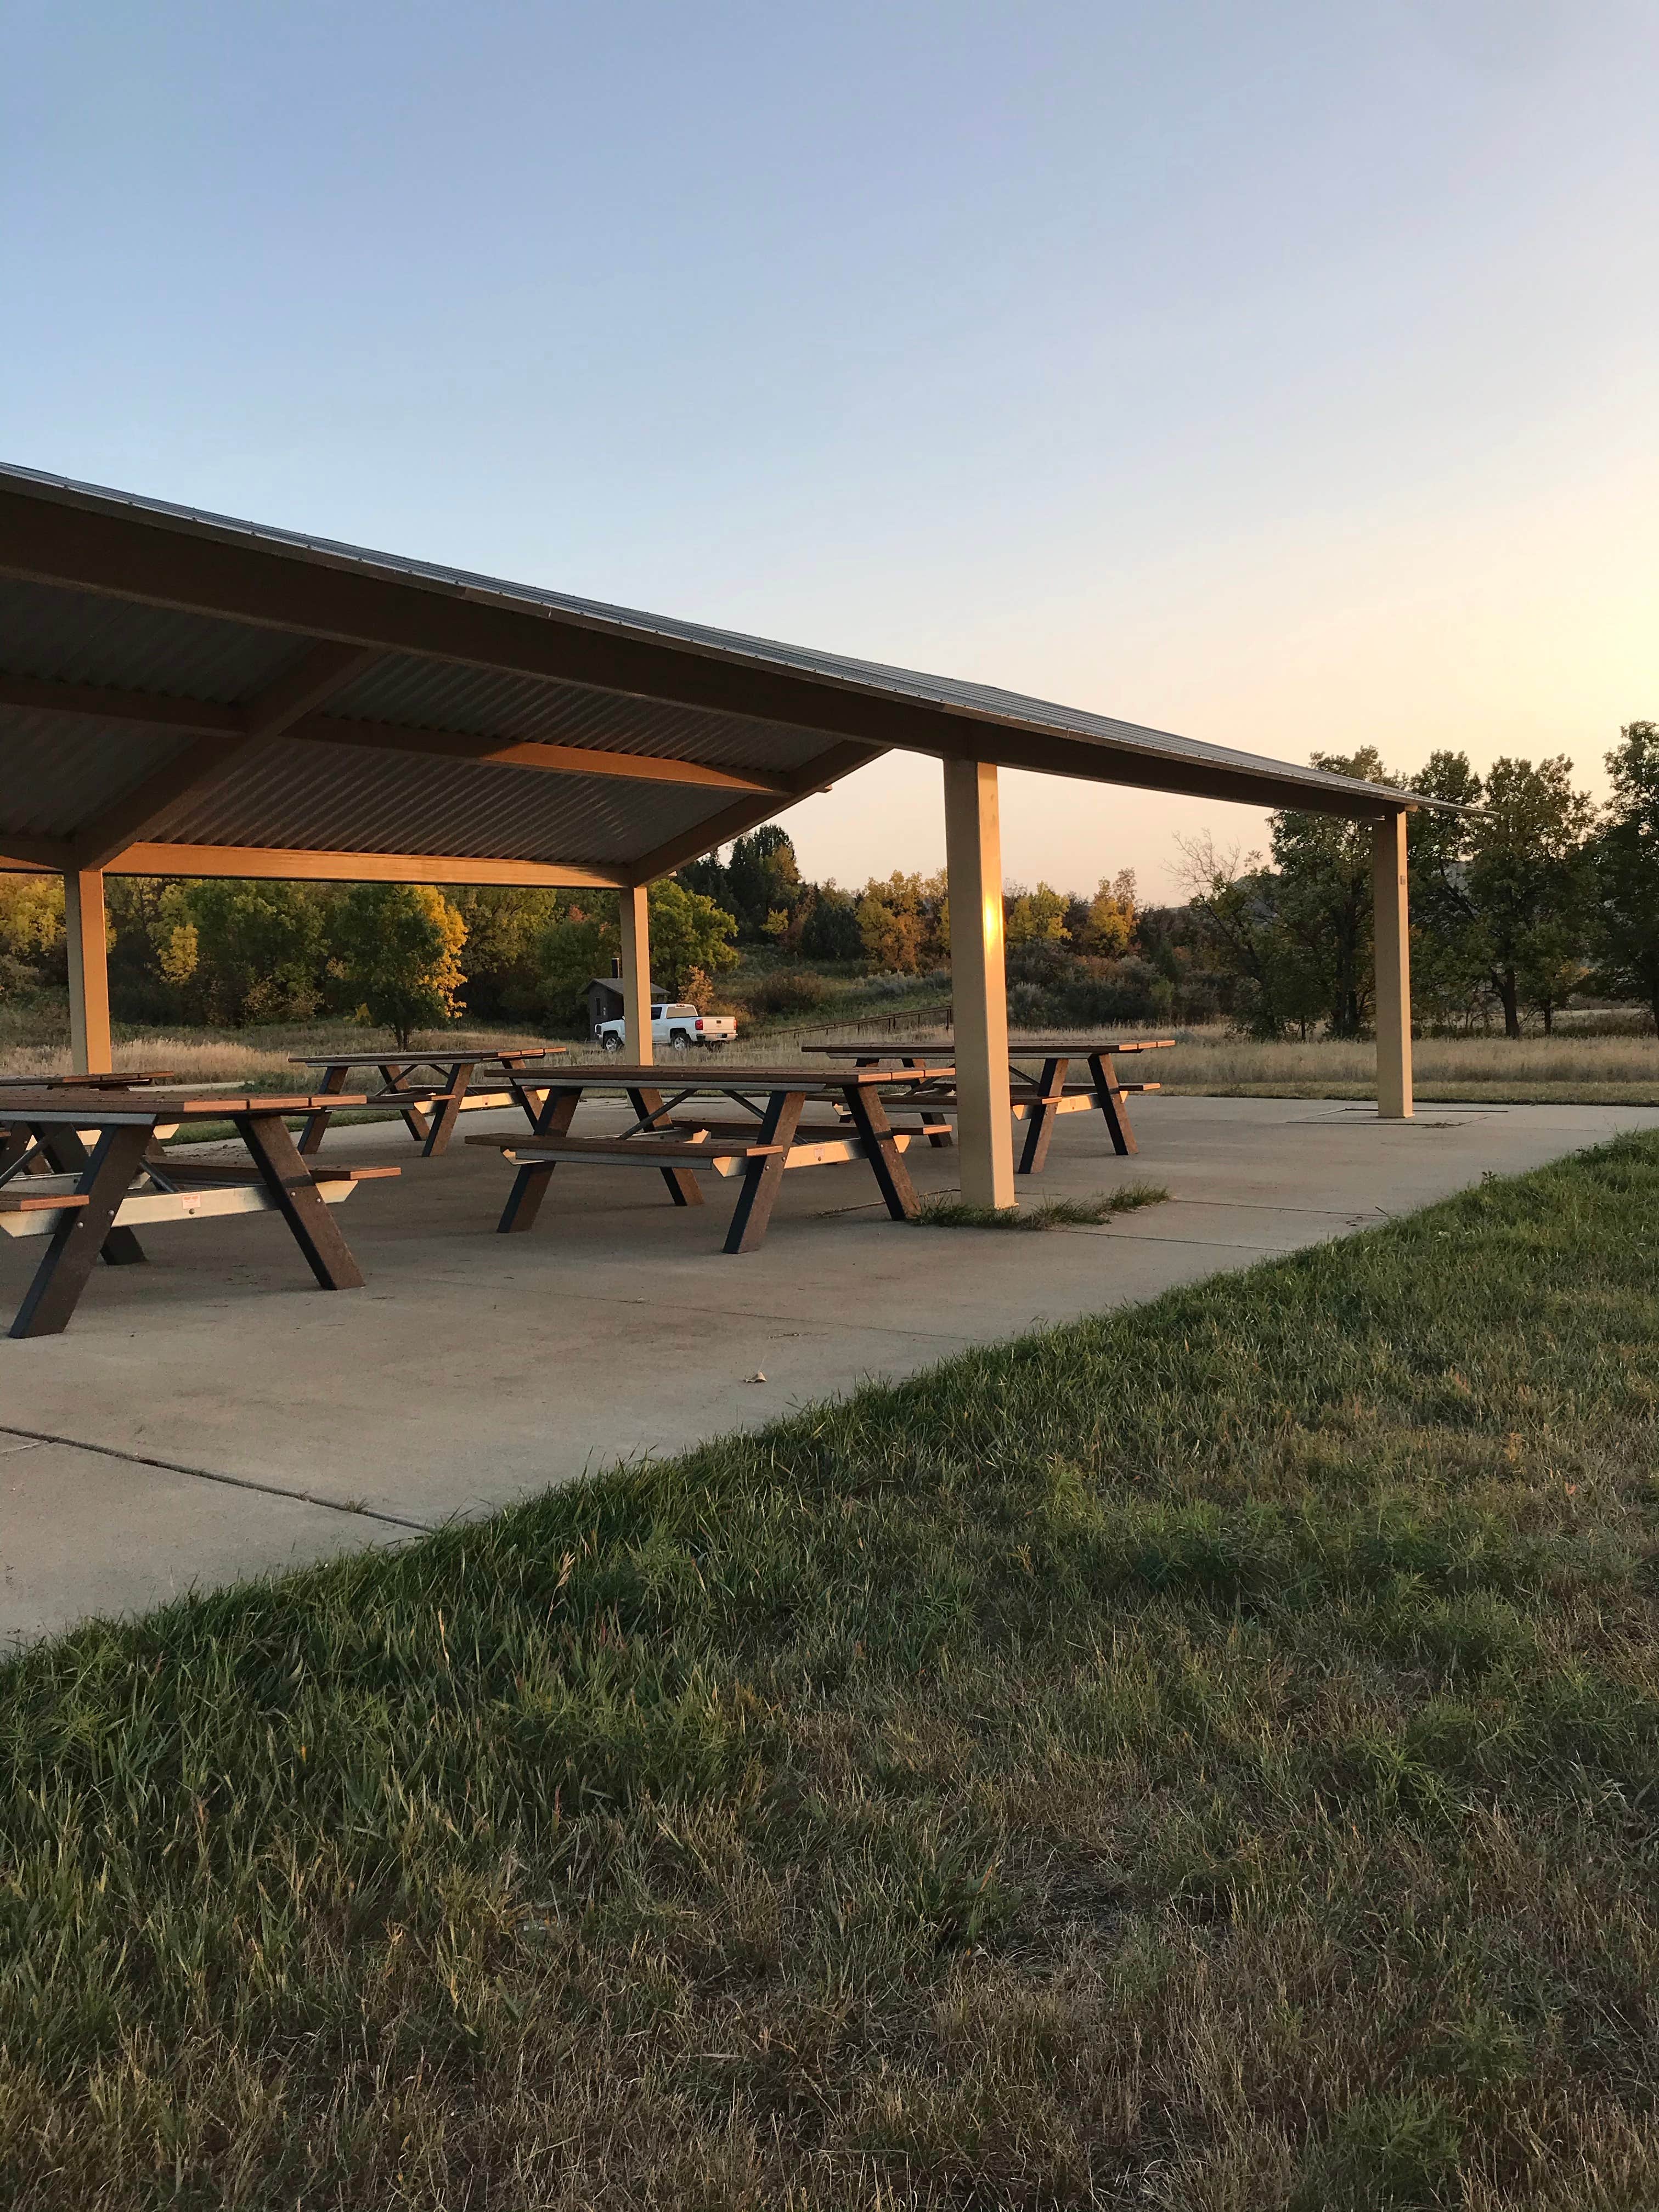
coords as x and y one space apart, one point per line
760 1147
87 1202
1037 1100
444 1098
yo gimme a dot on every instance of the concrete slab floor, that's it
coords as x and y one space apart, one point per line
474 1369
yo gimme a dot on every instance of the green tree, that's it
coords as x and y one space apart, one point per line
763 878
830 931
258 951
1625 869
1036 917
1322 900
571 951
1527 878
399 947
1109 930
505 926
31 931
689 934
1276 984
1451 974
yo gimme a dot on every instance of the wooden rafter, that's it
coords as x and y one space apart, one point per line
283 863
208 760
514 752
211 720
733 821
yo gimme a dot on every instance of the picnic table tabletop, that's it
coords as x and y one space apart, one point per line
49 1125
606 1075
441 1057
122 1080
1018 1048
95 1109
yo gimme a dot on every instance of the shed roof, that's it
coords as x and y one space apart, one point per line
185 692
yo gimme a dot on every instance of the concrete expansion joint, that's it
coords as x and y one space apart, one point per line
30 1439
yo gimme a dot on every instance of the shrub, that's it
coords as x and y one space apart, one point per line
786 991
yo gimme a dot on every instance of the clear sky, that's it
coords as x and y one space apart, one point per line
1285 375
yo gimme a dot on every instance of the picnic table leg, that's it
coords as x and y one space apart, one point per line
443 1121
392 1072
16 1145
287 1179
70 1256
66 1155
524 1200
886 1162
1112 1102
683 1185
334 1080
762 1178
1040 1130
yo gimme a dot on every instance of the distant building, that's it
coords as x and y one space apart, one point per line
604 1001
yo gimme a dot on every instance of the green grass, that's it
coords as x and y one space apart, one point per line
1053 1213
1205 1757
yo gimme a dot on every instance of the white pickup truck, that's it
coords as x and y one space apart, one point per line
677 1027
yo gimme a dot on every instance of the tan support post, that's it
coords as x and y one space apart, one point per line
88 972
634 902
1391 941
973 853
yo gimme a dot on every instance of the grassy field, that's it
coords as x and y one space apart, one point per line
1206 1758
1596 1071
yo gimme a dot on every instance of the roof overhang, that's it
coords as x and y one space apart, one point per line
185 693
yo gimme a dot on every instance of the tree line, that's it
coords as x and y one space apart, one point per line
1528 895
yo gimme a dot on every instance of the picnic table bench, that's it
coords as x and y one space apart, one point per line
87 1202
1038 1099
761 1147
451 1094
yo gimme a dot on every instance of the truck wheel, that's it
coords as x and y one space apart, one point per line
680 1042
613 1043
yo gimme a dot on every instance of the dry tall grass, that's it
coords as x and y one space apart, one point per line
1203 1061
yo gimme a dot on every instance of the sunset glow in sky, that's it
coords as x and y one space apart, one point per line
1284 375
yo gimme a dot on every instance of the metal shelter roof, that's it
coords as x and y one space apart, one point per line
185 693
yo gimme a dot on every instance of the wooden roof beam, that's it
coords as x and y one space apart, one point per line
286 864
208 760
551 759
230 724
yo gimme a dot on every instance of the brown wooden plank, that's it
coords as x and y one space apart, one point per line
334 1080
681 1184
65 1154
763 1178
445 1105
886 1162
1111 1102
1040 1128
524 1200
287 1179
72 1251
630 1150
21 1202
